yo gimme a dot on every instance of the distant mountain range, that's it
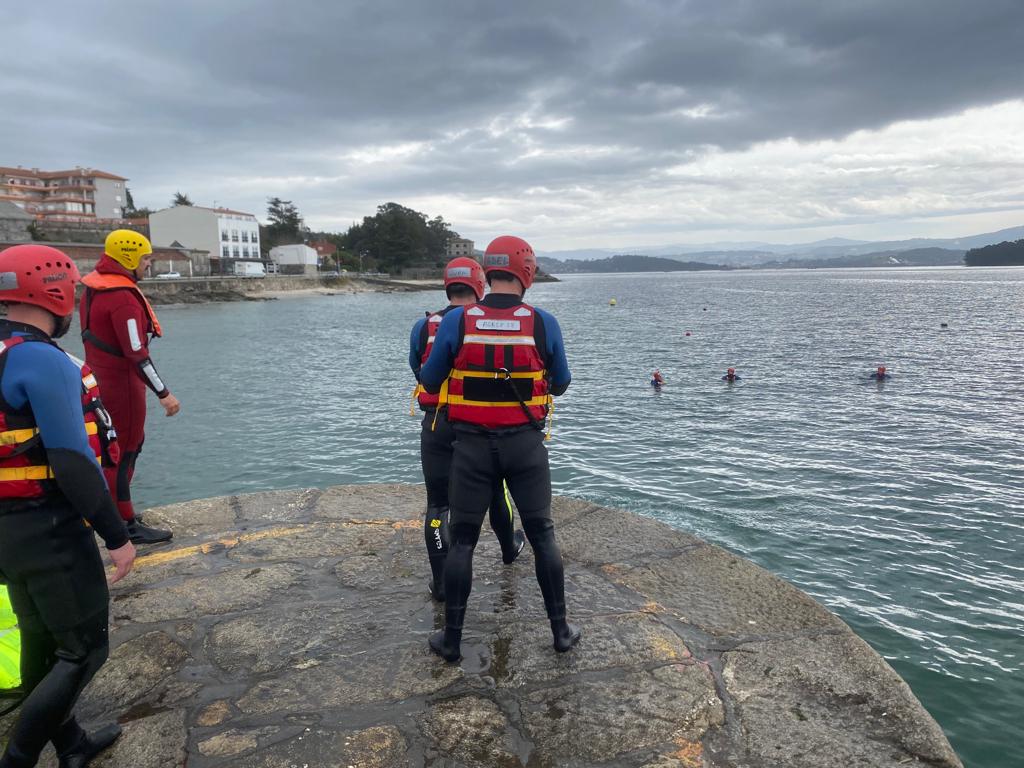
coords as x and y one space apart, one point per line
833 252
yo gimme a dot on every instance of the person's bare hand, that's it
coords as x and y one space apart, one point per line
123 558
170 404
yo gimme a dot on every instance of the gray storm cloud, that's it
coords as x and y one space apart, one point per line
341 106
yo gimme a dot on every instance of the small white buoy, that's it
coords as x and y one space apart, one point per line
612 302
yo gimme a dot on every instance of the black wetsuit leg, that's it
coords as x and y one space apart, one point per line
503 524
474 473
436 438
523 459
59 593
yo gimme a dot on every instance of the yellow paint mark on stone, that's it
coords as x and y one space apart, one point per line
406 524
157 558
690 753
665 650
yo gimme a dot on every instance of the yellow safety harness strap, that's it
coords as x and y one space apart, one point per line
17 436
534 375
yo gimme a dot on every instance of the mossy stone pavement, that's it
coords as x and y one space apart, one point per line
289 629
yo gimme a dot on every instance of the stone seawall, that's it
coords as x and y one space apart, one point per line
290 628
223 288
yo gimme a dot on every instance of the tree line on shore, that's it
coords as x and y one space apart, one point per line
1005 254
393 239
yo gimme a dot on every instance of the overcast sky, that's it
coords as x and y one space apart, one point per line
574 124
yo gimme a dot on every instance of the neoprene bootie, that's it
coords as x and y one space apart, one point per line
447 643
518 541
90 745
565 635
140 533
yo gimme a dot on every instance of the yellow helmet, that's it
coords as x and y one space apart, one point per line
127 248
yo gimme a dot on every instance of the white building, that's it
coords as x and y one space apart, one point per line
225 233
295 259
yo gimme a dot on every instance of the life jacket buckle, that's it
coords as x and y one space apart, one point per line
498 374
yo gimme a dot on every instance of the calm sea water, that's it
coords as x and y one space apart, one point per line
899 506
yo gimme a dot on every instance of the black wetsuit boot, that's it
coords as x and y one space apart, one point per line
75 748
458 581
435 534
551 578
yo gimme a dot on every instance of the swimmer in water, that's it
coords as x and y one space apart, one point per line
731 375
880 374
657 379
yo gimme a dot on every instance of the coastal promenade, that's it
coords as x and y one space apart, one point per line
290 628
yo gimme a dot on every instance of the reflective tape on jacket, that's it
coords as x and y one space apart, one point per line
498 378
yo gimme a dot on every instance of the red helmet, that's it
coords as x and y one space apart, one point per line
513 255
465 271
39 275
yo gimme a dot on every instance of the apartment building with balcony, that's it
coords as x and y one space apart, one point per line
225 233
82 194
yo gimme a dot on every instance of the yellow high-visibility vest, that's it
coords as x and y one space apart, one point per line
10 644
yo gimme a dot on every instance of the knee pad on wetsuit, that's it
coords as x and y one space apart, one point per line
465 534
539 530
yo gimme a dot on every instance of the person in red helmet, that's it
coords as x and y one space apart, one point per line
731 375
117 325
54 438
880 374
496 364
464 284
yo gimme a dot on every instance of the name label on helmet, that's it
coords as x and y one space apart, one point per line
460 272
496 260
56 278
498 325
8 281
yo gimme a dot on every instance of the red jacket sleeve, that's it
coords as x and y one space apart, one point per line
131 326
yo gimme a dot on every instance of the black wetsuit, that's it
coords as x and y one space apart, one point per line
436 439
48 554
483 457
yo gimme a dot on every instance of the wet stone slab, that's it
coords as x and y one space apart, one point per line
290 629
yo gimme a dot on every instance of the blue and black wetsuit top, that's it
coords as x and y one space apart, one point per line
37 378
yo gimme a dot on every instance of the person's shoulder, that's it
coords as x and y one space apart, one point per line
42 358
547 317
452 312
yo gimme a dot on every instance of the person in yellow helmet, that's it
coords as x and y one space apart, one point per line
117 325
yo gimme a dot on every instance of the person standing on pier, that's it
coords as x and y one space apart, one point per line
117 326
495 364
53 497
464 284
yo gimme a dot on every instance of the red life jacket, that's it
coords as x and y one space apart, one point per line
107 281
24 472
498 377
426 400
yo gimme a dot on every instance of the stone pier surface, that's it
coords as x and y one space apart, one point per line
289 629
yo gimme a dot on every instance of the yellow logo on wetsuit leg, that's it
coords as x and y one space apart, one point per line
435 523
